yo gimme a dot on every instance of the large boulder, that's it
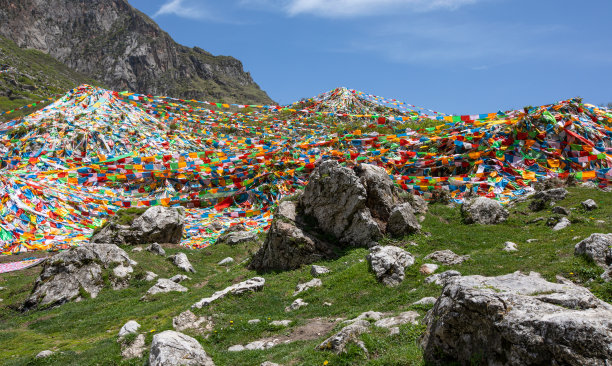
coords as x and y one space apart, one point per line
388 263
402 221
381 194
598 248
287 245
78 272
517 319
336 198
170 348
157 224
483 210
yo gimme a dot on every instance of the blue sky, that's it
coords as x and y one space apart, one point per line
453 56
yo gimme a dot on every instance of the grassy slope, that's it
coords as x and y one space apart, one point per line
33 67
86 332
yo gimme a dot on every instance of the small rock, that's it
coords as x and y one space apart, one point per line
174 348
510 247
394 331
280 323
589 205
597 247
226 261
317 271
150 276
298 303
366 315
327 303
236 348
337 343
447 257
559 210
188 320
179 278
440 278
250 285
428 268
181 261
156 249
403 318
137 249
164 285
268 363
388 263
301 287
235 235
484 211
254 321
134 349
122 271
130 327
562 224
551 195
531 240
425 301
44 354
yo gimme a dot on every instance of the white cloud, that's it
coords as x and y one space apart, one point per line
178 8
352 8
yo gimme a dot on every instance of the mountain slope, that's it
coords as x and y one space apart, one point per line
113 42
29 76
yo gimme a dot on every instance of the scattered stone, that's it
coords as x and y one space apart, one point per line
235 235
67 275
157 224
441 278
562 224
523 320
250 285
128 328
150 276
44 354
280 323
551 195
326 303
236 348
134 349
388 263
182 262
447 257
428 268
403 318
484 211
136 249
337 343
188 320
162 286
510 247
402 221
254 321
559 210
425 301
174 348
317 271
226 261
156 249
367 315
531 240
298 303
301 287
589 205
179 278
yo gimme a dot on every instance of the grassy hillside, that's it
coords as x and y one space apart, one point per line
85 333
28 76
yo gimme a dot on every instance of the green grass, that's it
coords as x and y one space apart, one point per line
86 332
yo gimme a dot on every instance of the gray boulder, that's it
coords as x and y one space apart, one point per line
598 248
188 320
517 319
135 349
337 343
301 287
336 198
77 271
162 286
418 204
170 348
589 205
182 262
317 271
403 318
296 304
44 354
560 210
447 257
157 224
402 221
130 327
225 261
388 263
250 285
156 249
235 235
382 195
551 195
562 224
484 211
441 278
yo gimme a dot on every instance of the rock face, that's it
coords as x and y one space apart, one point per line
388 263
157 224
482 210
118 45
340 207
75 272
517 319
171 348
250 285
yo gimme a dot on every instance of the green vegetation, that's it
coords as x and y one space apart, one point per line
86 332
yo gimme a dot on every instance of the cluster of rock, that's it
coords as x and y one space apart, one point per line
339 207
